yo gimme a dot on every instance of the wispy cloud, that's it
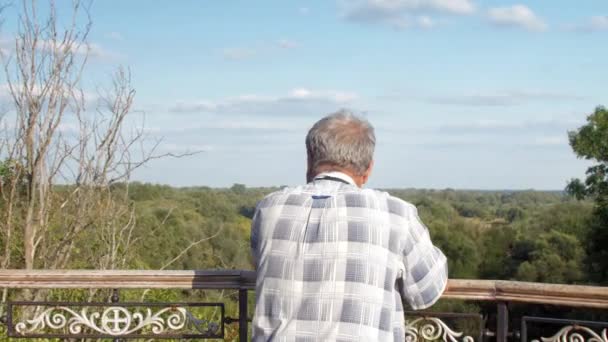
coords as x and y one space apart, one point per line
593 24
403 14
506 98
236 54
499 98
92 50
257 49
89 98
297 101
518 16
192 107
228 126
549 141
538 129
287 44
599 22
117 36
425 22
177 147
482 134
304 10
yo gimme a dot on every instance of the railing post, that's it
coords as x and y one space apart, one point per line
115 298
243 326
502 322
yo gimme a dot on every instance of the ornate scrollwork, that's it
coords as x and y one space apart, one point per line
432 329
114 321
576 333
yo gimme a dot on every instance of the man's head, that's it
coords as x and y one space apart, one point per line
341 142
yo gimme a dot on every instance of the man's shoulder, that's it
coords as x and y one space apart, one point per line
387 196
399 206
394 205
280 196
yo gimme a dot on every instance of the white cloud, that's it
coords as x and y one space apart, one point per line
201 106
236 54
115 36
519 16
593 24
89 98
296 101
498 98
176 147
504 98
287 44
97 51
388 6
331 96
560 140
93 50
426 22
599 22
403 14
257 50
226 124
494 128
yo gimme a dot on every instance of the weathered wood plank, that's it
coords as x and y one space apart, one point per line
463 289
525 292
224 279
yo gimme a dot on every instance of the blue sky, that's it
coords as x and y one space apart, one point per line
463 93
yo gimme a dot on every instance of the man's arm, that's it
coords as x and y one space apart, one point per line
426 270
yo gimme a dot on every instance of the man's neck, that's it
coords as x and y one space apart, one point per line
347 175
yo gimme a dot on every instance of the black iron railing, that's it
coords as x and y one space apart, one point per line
505 310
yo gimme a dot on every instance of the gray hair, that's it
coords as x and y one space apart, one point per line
341 139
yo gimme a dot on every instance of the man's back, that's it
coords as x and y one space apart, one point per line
334 262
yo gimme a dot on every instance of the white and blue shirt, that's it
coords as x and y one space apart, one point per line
335 262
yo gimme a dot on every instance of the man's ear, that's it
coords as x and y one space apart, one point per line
309 174
367 172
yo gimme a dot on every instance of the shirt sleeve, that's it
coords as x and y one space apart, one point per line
426 273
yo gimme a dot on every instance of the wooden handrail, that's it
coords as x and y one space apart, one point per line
527 292
127 279
464 289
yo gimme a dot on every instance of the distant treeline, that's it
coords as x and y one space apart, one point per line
520 235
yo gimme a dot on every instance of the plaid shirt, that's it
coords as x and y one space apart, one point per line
335 261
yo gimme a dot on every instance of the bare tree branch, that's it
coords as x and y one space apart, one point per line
190 246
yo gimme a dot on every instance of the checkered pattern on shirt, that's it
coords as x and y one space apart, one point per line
334 262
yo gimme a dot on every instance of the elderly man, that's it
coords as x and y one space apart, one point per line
334 260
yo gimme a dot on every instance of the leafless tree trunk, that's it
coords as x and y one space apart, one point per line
66 156
43 73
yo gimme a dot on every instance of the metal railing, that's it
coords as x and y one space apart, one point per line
116 319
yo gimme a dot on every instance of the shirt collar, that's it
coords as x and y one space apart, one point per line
336 174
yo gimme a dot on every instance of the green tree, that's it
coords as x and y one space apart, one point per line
590 142
552 257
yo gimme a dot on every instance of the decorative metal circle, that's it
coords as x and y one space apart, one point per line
116 320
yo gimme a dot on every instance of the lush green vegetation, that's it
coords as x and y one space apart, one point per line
590 142
523 235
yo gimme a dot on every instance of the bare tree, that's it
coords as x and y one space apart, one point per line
43 75
66 155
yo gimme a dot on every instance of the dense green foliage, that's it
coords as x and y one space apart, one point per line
590 142
524 235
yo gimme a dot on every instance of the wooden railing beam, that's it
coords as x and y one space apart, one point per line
463 289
